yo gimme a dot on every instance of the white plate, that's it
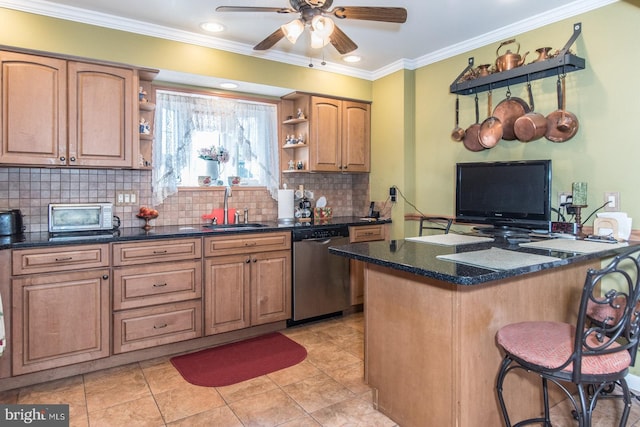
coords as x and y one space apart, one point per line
322 202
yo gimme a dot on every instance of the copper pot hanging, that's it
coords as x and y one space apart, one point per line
471 139
490 131
531 126
562 125
508 111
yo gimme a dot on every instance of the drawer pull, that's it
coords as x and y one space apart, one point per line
159 285
69 258
164 325
250 243
160 252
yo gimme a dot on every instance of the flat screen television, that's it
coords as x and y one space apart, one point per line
509 196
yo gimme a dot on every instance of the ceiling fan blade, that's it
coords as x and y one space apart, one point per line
254 9
342 42
382 14
272 39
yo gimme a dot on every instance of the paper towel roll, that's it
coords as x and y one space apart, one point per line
285 205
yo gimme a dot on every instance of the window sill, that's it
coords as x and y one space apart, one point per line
222 187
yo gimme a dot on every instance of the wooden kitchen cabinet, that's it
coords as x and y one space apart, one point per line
60 112
59 318
339 135
247 281
336 133
357 234
157 293
34 109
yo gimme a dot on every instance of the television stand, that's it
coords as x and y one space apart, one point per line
502 231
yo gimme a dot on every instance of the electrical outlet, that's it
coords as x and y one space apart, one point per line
562 198
392 193
613 199
126 199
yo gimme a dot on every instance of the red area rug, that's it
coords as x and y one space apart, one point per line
239 361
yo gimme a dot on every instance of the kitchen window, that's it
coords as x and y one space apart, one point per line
188 125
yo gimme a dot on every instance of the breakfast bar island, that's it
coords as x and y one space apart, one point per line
430 324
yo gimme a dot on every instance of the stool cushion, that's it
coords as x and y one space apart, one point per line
550 344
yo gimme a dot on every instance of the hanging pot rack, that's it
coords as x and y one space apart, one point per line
562 63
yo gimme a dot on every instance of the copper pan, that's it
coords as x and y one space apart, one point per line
508 111
531 126
562 125
471 139
490 131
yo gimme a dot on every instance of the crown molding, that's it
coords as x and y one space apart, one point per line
42 7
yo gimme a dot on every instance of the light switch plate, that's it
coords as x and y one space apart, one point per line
613 197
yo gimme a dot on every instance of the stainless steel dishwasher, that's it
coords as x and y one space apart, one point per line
320 279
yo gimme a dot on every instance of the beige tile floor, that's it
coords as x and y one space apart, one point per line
327 389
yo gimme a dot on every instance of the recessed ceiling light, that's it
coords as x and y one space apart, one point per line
228 85
212 27
352 58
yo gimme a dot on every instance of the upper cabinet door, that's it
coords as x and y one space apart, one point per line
101 125
34 109
325 122
356 117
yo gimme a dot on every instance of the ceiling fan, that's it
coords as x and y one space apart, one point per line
315 14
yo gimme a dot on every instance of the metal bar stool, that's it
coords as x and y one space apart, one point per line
592 355
435 223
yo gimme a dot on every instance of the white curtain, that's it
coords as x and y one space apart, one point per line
252 126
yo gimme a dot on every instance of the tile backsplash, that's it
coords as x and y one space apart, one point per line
32 189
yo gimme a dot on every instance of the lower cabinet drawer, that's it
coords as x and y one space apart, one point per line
149 327
148 285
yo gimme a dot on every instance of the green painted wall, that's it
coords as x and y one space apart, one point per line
604 153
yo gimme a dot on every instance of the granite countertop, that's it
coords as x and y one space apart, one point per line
171 231
421 258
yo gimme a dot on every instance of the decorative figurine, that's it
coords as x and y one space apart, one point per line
145 127
300 114
142 95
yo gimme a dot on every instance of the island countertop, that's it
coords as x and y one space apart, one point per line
422 258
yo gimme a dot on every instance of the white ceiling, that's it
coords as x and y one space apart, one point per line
435 29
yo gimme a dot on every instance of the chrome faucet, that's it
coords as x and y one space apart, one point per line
227 194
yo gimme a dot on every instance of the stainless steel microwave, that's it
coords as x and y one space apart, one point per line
66 217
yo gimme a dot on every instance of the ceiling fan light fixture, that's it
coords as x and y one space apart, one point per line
322 26
318 42
293 29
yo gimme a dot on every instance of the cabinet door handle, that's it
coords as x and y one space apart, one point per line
255 260
247 261
63 158
69 258
164 325
72 159
159 285
105 277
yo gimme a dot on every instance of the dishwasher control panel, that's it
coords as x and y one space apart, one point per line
321 232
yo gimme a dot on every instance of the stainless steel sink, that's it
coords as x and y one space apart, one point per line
223 227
